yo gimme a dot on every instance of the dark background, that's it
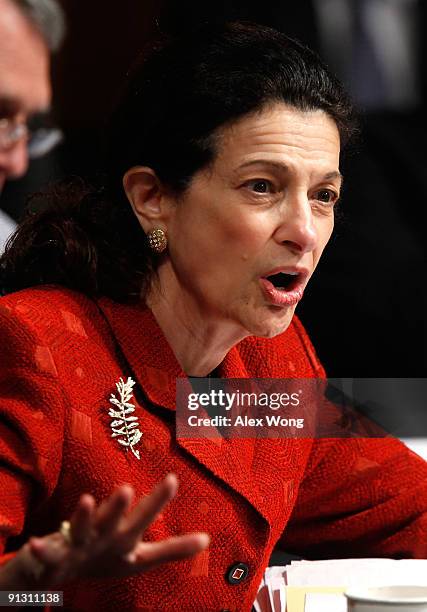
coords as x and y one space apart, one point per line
365 308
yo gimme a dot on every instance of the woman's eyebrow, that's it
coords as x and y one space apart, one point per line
334 175
274 165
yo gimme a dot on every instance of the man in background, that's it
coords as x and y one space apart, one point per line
29 31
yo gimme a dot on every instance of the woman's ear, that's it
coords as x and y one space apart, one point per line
146 195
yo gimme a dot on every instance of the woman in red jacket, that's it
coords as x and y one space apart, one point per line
223 178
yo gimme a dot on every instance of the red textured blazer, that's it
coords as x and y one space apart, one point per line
61 355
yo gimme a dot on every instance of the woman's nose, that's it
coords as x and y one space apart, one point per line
297 229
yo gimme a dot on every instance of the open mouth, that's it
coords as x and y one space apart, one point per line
284 288
283 281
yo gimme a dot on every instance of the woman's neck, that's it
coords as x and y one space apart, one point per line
198 339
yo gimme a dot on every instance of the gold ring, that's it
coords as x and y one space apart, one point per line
65 531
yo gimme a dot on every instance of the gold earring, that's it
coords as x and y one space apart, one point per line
157 240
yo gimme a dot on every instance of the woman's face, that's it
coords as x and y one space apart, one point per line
248 233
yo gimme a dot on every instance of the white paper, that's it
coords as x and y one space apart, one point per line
357 572
325 602
345 573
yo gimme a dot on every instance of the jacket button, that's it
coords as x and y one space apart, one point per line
237 573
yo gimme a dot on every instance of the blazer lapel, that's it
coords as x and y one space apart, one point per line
146 350
156 369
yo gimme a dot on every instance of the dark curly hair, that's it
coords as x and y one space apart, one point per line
174 104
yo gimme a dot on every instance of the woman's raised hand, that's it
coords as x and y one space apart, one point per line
107 540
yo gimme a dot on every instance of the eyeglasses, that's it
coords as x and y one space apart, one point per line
11 132
40 136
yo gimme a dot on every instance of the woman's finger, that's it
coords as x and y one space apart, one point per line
111 510
149 554
81 521
147 510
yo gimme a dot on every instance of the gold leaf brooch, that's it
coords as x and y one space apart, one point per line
125 427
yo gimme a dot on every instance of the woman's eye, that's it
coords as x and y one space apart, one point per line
326 196
260 186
